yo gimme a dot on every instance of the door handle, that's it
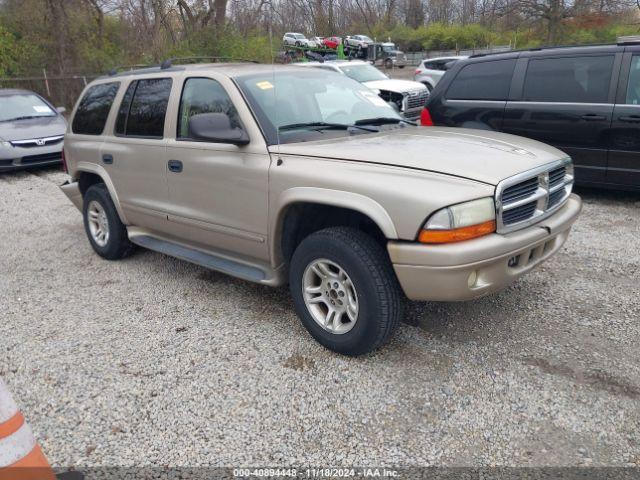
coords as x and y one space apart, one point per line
592 117
107 158
630 119
175 166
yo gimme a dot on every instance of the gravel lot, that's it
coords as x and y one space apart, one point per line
153 361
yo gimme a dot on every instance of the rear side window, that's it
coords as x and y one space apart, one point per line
482 81
204 95
143 108
94 108
575 79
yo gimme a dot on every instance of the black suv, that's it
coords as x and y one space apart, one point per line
583 100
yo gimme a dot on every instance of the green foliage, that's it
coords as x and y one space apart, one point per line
438 36
15 54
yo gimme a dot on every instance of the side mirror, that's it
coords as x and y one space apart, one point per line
61 109
216 127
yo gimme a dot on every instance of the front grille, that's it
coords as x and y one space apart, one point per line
38 142
45 157
416 100
556 176
520 190
518 214
531 196
556 197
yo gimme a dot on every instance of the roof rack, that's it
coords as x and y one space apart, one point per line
551 47
628 40
168 63
116 70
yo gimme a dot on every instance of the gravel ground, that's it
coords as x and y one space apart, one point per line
154 361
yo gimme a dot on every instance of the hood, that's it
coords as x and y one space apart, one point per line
33 128
479 155
397 86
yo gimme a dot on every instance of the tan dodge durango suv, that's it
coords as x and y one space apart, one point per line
282 174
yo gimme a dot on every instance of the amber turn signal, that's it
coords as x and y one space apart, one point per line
457 234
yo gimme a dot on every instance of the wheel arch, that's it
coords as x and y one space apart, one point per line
89 174
296 205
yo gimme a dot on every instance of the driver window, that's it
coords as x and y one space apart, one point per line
204 95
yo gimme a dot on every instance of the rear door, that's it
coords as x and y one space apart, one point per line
624 154
134 152
567 101
476 97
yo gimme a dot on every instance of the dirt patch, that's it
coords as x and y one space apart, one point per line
595 378
300 363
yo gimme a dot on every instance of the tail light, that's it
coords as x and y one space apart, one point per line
418 72
64 163
425 118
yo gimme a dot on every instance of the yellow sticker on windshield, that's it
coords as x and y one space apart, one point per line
264 85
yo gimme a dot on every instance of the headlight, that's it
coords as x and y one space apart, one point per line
5 144
460 222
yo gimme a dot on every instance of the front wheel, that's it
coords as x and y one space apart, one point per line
345 291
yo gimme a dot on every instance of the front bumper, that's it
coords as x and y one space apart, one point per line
17 158
447 272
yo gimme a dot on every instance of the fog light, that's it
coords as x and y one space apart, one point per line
471 281
513 261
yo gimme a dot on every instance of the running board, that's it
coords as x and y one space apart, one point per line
206 260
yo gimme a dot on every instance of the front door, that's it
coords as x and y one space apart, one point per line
218 193
567 102
624 156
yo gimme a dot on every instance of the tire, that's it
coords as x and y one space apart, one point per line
98 205
298 44
388 64
368 270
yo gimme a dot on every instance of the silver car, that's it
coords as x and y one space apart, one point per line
31 130
407 97
431 70
297 40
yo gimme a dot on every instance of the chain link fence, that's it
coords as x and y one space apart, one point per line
61 91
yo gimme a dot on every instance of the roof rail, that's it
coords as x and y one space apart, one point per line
168 63
628 40
116 70
552 47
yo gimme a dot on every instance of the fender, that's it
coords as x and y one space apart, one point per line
334 198
102 173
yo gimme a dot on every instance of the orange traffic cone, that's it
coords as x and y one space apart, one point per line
20 455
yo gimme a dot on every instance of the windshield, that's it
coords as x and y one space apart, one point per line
299 35
389 48
364 38
27 105
296 96
363 73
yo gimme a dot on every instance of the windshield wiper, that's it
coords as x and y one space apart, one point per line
323 126
382 121
25 117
